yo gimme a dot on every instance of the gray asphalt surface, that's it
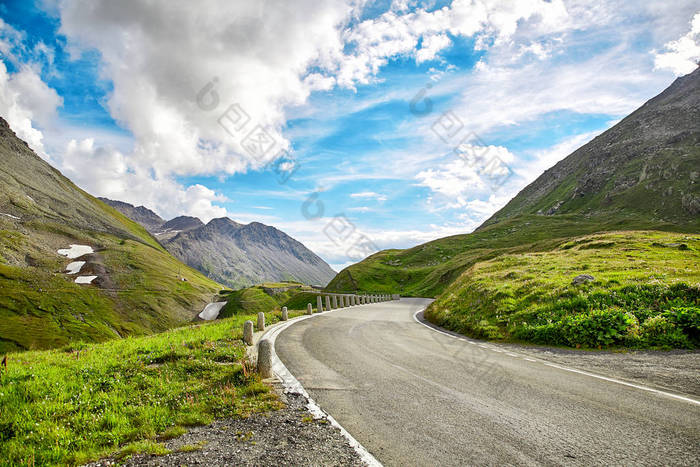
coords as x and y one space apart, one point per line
413 396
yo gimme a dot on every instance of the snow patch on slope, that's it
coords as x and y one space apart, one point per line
75 267
211 311
75 251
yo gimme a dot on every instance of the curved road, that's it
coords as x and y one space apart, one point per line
413 396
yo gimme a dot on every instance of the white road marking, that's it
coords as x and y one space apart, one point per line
625 383
530 359
573 370
291 384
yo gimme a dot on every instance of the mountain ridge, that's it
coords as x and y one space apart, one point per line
628 155
238 255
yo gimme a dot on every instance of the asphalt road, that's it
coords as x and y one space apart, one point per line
413 396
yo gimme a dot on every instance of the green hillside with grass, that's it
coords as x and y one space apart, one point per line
79 403
645 292
140 287
267 298
640 175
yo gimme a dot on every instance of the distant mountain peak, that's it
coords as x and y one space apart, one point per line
141 214
235 254
182 223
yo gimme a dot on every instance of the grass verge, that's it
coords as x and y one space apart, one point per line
85 401
645 294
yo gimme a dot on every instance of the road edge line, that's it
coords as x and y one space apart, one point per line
291 384
564 368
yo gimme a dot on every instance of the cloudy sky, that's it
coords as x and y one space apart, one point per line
351 125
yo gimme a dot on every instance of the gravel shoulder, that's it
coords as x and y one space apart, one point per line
289 436
674 371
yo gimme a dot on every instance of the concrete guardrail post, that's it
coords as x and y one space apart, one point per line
328 302
346 301
261 321
319 304
265 358
309 309
285 314
335 302
248 332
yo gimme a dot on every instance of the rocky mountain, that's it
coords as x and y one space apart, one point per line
181 224
110 278
144 216
643 173
647 165
238 255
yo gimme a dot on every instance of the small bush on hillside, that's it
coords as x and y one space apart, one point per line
659 331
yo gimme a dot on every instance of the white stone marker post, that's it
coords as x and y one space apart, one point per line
328 302
285 315
248 332
265 359
335 302
309 309
319 305
261 321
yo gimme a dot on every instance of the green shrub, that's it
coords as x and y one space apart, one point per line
661 332
686 319
543 334
596 328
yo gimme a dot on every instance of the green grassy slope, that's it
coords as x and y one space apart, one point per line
268 298
646 292
61 407
427 270
139 289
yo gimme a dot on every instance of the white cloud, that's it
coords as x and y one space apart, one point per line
465 176
107 172
368 195
24 100
398 32
431 46
542 160
682 56
360 209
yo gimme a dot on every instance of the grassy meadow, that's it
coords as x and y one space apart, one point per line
645 293
81 402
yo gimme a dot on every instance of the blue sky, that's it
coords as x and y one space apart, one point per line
359 101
